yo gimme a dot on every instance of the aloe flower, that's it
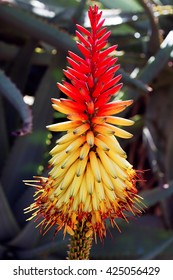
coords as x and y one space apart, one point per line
90 179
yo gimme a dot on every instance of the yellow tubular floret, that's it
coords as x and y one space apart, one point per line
81 129
105 176
87 204
59 148
118 121
75 204
118 131
80 168
75 185
70 159
83 190
100 144
68 137
99 189
119 187
110 194
84 151
64 198
69 175
75 144
58 193
58 158
102 129
121 173
62 109
90 138
107 163
95 166
122 133
120 161
89 179
112 143
63 126
95 201
57 172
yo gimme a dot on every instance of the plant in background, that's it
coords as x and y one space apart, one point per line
90 179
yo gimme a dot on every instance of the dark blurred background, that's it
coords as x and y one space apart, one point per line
34 39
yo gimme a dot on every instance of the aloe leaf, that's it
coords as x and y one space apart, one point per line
62 3
21 64
157 63
29 233
9 227
153 196
37 28
153 67
59 247
149 136
158 250
122 30
53 4
4 137
9 52
123 5
11 92
135 83
127 244
154 38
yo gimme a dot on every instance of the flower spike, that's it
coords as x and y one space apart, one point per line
90 179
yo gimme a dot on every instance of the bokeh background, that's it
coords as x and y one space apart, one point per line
35 36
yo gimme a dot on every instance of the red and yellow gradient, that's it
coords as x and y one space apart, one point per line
90 178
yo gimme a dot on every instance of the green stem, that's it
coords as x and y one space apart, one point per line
80 245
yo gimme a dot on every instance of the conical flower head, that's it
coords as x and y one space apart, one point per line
90 179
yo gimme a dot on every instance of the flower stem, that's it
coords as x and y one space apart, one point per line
80 244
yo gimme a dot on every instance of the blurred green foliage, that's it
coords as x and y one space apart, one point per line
35 37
